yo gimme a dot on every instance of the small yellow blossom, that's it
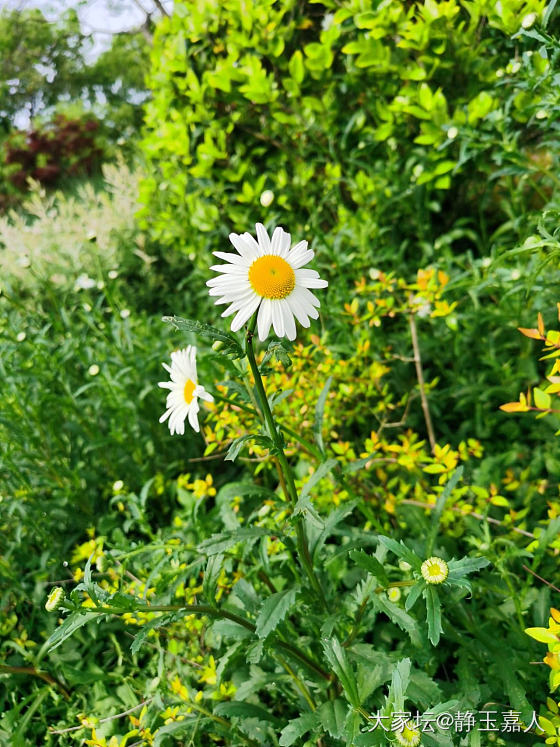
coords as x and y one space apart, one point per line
54 599
434 570
409 736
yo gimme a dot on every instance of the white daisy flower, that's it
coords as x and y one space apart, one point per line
269 276
184 391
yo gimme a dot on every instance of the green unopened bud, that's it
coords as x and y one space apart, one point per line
54 599
404 566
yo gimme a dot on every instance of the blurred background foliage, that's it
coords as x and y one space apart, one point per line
415 145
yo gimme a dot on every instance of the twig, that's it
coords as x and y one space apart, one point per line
103 720
420 377
9 669
476 515
536 575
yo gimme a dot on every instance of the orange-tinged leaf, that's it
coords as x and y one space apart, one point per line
540 323
555 614
513 407
534 333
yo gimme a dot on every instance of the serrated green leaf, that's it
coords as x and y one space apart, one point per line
401 618
304 504
238 443
440 505
240 709
211 575
297 728
401 551
433 614
273 611
154 624
460 568
337 658
231 345
72 623
219 543
399 686
370 564
332 715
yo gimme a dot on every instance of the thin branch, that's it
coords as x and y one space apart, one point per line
476 515
103 720
9 669
536 575
421 385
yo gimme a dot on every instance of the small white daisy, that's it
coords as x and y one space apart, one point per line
184 391
434 570
267 275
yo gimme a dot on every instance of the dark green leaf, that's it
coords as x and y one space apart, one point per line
291 733
230 343
337 658
332 715
433 614
274 610
370 564
440 505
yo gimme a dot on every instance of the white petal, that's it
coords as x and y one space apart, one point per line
264 319
165 415
227 281
166 384
286 242
193 413
300 255
244 246
201 392
288 317
235 259
307 297
276 242
231 269
247 310
264 241
298 310
310 279
277 319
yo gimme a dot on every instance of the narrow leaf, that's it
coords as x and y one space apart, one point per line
337 658
319 414
274 610
370 564
440 505
231 345
433 616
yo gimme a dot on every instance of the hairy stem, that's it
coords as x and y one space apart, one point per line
303 548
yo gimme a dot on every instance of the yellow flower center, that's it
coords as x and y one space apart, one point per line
188 391
272 277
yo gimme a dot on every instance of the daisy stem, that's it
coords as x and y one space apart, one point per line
303 547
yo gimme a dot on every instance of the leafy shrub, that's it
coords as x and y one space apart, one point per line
56 238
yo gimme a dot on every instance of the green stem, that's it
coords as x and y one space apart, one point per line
206 609
303 548
298 683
